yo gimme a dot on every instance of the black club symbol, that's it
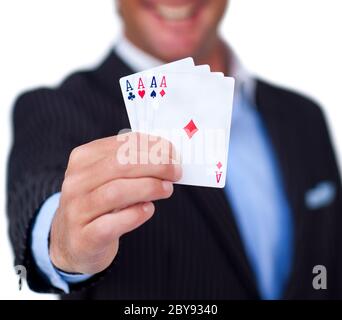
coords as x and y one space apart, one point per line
131 96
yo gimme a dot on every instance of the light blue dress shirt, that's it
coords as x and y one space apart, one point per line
254 188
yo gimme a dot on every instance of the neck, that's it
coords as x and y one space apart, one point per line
216 56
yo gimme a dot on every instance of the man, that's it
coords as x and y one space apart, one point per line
74 210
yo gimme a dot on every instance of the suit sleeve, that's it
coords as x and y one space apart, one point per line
47 125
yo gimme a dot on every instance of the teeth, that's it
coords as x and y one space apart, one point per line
175 13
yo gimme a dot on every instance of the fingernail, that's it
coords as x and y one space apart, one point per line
167 186
147 207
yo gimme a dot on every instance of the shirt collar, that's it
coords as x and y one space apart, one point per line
138 60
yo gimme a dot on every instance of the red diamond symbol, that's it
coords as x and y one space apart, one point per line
162 93
190 129
219 165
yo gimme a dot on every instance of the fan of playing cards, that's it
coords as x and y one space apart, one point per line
189 106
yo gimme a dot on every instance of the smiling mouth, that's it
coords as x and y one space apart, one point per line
176 13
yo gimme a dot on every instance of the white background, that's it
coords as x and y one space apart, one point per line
295 43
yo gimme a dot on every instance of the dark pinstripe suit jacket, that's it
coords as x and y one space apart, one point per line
191 249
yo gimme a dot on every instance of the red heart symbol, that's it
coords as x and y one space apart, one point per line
141 93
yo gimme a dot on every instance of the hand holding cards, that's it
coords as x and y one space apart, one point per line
189 106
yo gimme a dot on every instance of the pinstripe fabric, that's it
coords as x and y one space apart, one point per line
191 249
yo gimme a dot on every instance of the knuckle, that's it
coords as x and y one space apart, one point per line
67 186
75 154
70 184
